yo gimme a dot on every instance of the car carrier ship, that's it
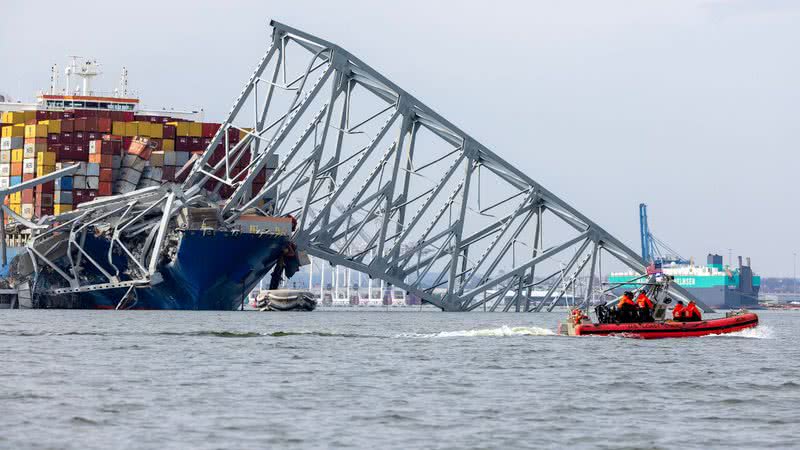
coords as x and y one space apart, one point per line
73 154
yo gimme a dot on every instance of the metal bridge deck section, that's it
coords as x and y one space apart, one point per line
382 184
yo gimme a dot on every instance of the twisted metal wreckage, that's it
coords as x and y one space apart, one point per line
377 181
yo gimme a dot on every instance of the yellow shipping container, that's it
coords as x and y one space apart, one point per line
144 129
46 159
61 209
36 131
244 132
15 117
14 131
16 207
53 126
44 170
156 130
195 129
131 129
17 154
30 115
181 128
168 145
118 128
15 197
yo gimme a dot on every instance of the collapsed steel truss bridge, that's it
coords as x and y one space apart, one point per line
447 219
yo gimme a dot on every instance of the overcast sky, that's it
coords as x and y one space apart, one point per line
692 107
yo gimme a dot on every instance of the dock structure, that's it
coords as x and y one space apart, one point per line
376 181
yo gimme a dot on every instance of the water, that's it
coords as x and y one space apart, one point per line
390 380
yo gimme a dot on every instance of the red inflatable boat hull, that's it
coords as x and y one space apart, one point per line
670 329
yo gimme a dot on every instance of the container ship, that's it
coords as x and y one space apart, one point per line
116 148
715 284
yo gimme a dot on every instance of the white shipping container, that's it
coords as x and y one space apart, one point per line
4 182
92 182
29 151
27 210
5 156
123 187
5 169
79 182
29 166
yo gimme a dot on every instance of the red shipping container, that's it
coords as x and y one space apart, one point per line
28 177
27 196
104 124
16 169
53 138
80 124
126 142
68 114
126 116
112 137
210 129
45 188
168 173
41 115
261 176
67 138
182 144
93 135
196 144
169 132
67 125
141 148
104 188
105 115
81 137
64 152
106 174
233 135
40 210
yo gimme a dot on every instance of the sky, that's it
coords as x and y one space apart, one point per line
689 106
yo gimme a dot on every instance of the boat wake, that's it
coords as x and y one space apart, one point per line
759 332
503 331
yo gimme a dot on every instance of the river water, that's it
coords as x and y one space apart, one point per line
395 379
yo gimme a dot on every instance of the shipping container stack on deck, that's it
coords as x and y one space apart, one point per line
118 152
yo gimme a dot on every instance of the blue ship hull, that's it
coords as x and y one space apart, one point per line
211 271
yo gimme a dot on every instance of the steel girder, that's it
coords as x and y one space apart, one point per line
382 184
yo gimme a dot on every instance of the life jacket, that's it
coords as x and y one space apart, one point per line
624 301
644 301
677 311
691 311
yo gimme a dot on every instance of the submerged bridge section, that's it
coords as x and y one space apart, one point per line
445 218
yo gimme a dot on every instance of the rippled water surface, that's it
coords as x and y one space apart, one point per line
388 379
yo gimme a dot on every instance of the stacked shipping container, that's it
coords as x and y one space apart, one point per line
118 152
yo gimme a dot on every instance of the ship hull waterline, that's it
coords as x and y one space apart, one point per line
212 270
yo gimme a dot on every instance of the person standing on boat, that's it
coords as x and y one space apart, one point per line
677 311
645 307
626 308
692 313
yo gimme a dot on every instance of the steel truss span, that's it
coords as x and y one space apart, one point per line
382 184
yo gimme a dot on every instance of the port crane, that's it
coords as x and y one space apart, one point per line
655 250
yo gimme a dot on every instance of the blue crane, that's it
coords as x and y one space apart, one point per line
655 250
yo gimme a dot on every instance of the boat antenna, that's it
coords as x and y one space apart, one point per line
123 82
53 78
